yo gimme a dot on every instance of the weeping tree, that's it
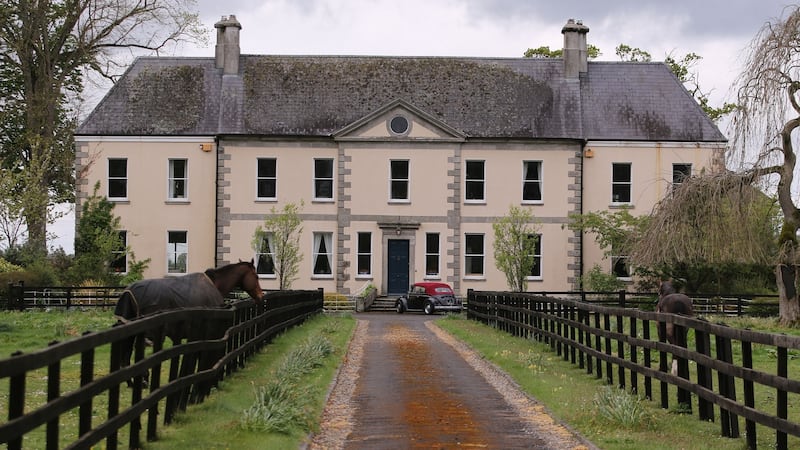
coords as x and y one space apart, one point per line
764 130
277 243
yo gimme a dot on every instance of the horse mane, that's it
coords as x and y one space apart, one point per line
213 272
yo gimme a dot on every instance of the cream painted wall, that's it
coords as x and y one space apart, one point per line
148 215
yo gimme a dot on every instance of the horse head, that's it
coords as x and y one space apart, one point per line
249 281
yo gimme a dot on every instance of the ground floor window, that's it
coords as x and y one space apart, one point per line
265 256
120 262
432 255
177 251
536 270
364 254
473 255
323 253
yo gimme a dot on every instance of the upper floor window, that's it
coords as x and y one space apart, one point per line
364 256
323 253
621 183
267 179
473 255
265 256
120 262
177 251
117 178
536 270
399 181
475 181
323 179
178 179
532 182
680 172
432 255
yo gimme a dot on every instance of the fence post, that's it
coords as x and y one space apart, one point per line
622 298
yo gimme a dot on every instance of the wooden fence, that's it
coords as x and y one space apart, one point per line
190 370
611 342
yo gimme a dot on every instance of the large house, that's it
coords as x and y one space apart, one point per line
401 164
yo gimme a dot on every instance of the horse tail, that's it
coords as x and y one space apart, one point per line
127 307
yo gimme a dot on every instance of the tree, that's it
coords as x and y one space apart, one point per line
763 132
544 52
45 48
515 237
98 243
279 243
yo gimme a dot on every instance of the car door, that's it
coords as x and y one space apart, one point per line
416 298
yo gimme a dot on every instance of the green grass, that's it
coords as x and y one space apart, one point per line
571 395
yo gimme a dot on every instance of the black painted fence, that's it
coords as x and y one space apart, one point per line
616 344
190 369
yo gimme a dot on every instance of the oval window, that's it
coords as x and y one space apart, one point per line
399 125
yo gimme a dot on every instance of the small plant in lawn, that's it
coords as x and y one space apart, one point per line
621 407
281 405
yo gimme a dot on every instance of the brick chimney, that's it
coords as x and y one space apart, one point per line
575 49
227 49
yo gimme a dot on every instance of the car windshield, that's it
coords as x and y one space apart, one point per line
443 290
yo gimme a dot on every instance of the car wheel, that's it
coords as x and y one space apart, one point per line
399 308
429 308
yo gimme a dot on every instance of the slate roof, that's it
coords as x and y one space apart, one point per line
482 97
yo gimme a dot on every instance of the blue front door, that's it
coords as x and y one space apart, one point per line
397 266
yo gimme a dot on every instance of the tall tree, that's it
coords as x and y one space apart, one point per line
763 132
45 47
279 241
515 237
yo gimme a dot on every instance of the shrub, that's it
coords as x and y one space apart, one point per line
622 408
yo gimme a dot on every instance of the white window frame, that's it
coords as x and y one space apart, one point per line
481 181
481 256
173 253
539 181
326 238
114 178
123 253
628 183
430 254
172 179
273 179
361 253
330 180
407 180
271 254
537 257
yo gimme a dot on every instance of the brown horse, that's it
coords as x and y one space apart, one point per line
670 301
207 289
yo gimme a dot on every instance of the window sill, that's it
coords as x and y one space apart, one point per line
323 200
621 205
264 276
432 277
119 200
399 202
364 276
534 279
533 202
177 201
475 201
475 278
321 277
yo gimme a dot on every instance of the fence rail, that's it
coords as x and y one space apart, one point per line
191 369
616 342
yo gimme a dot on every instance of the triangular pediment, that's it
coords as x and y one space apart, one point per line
399 121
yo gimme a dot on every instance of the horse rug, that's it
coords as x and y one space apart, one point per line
153 295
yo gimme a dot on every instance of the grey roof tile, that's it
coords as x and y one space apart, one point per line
481 97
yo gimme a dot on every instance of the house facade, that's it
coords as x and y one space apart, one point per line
401 164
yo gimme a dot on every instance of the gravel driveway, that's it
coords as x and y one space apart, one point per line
405 384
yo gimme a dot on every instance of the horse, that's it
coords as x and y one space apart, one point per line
201 289
670 301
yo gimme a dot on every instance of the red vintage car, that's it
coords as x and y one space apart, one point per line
429 297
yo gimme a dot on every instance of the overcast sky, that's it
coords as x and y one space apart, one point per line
717 30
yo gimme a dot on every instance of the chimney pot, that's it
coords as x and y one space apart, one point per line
576 54
227 50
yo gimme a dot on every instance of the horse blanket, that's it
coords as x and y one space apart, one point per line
153 295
